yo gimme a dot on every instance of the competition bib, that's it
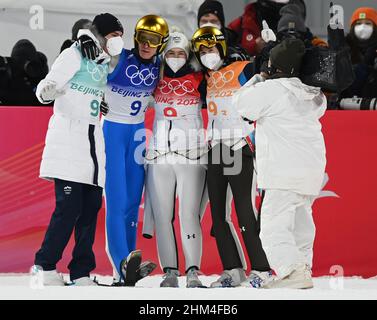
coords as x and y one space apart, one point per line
130 88
177 98
224 121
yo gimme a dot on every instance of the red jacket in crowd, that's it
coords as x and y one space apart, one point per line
248 25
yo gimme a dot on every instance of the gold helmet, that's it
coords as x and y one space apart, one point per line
209 37
153 30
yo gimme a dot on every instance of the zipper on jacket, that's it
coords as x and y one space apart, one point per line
213 126
170 126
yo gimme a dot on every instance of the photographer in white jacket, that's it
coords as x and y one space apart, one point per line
290 162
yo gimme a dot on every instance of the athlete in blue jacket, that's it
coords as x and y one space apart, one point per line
134 75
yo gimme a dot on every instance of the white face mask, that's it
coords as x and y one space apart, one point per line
175 63
363 31
211 61
114 46
210 24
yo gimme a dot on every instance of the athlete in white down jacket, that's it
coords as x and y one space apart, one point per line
74 155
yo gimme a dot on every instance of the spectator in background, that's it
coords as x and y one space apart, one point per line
291 25
211 14
79 24
249 25
20 74
362 41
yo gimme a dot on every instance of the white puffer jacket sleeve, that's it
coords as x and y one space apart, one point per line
63 69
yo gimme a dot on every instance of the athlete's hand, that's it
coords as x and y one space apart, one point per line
88 47
49 92
267 34
254 80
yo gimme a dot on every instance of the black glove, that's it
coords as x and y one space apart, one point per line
104 107
88 47
237 54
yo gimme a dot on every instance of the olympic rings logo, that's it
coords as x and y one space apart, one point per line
145 76
218 79
97 71
177 87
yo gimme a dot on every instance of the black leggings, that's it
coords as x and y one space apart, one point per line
77 207
222 157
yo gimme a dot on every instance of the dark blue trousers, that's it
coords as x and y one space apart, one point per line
76 210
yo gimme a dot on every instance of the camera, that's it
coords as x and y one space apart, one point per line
356 103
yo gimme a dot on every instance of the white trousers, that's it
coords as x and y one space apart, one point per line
164 183
287 230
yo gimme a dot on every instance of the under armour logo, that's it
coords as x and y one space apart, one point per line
243 229
191 236
67 190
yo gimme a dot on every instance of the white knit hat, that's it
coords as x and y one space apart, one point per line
178 40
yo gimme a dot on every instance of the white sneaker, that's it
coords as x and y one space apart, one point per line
192 279
230 278
170 279
257 279
300 278
47 278
84 282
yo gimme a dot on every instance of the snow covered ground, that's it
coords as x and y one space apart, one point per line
17 286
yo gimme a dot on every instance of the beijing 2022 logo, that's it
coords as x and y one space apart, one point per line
98 72
144 76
